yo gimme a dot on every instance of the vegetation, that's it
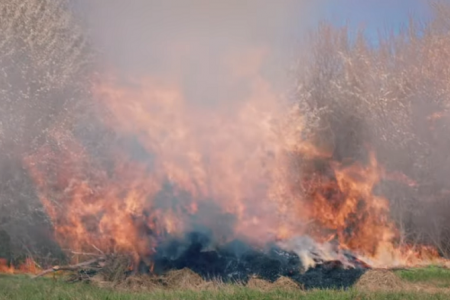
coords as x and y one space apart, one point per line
393 98
44 60
439 277
19 287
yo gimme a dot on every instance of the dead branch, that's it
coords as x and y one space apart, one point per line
85 253
96 248
71 267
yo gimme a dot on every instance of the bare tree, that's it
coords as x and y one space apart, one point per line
395 97
44 63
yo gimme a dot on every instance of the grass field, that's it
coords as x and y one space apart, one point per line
22 287
434 276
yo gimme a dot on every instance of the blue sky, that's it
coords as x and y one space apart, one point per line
373 15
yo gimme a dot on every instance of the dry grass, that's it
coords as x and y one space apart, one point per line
282 283
386 280
381 280
16 287
183 279
140 283
286 284
257 283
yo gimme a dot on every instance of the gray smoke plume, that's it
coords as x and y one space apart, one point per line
192 41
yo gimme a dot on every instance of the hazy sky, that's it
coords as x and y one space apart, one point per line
131 30
199 43
373 15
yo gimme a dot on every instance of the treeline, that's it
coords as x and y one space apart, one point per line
45 58
392 97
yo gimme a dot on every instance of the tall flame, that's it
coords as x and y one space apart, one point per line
242 170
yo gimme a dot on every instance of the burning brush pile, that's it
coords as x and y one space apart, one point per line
147 186
235 262
228 197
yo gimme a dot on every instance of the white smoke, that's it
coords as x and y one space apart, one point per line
193 41
312 253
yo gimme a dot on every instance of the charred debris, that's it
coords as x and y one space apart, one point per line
234 262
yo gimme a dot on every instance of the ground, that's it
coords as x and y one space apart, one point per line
429 283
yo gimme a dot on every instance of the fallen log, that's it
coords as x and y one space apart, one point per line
71 267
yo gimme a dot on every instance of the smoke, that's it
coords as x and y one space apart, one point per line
212 49
178 141
217 54
44 58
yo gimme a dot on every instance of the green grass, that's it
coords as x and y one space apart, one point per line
22 287
436 276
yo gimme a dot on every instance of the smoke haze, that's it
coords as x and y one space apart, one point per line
178 125
213 49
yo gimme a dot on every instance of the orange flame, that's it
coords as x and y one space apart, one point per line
241 171
28 267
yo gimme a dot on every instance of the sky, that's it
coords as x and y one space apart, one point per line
198 42
373 15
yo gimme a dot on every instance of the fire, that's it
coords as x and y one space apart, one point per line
346 205
241 170
199 168
28 267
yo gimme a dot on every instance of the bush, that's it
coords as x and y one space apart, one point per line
44 62
394 98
